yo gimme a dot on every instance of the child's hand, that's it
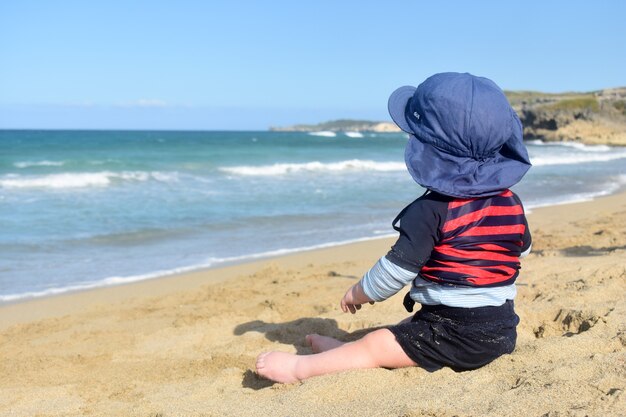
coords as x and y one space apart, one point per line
354 298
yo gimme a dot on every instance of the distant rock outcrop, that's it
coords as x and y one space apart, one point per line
342 125
597 117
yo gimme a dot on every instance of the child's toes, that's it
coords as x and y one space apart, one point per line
260 361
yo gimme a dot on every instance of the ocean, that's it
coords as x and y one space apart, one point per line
84 209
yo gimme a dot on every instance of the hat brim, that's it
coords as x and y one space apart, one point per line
465 177
396 106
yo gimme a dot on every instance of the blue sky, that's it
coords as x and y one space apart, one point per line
250 64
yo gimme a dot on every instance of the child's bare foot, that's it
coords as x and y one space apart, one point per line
278 366
321 343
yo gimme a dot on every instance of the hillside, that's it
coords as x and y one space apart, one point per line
593 117
341 125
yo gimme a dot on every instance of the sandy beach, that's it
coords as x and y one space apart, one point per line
186 345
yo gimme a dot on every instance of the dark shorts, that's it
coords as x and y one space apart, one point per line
459 338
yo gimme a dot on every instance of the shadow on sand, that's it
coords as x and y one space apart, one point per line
293 333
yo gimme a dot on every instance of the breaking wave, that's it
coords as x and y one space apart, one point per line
576 158
82 180
576 145
29 164
315 166
324 133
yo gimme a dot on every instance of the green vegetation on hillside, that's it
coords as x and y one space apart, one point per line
572 104
518 97
621 106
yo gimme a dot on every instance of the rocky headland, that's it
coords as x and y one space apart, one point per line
597 117
341 125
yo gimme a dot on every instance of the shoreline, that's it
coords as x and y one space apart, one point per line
35 308
194 277
113 282
121 281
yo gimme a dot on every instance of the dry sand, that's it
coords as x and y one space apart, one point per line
186 345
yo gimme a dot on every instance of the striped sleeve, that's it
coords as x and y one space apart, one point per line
385 279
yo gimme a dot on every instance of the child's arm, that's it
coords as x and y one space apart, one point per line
419 226
382 281
353 299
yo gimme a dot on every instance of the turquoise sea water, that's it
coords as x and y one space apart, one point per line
80 209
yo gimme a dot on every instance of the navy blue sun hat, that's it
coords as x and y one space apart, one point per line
465 140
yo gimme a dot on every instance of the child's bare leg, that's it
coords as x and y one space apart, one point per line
320 343
376 349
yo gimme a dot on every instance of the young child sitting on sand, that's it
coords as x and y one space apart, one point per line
459 243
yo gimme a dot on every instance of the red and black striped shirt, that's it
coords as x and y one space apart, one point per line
470 242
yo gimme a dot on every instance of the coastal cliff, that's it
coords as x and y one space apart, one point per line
597 117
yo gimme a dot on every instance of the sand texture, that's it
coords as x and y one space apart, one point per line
186 345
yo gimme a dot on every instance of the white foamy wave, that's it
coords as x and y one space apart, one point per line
324 133
28 164
316 166
575 145
576 158
585 148
353 134
82 180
